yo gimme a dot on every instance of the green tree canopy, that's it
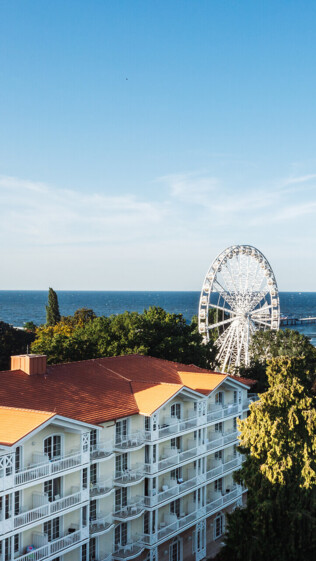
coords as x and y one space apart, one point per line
266 345
279 440
155 332
13 341
52 309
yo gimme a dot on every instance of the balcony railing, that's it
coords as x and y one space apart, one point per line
250 399
173 524
102 523
47 509
48 467
133 508
56 546
133 440
129 550
219 411
130 476
101 488
101 451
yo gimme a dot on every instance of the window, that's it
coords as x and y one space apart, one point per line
175 507
84 516
235 423
16 543
85 478
93 510
175 551
218 485
176 443
92 549
219 455
121 430
93 440
146 522
120 498
84 552
120 464
235 396
147 423
52 529
219 427
52 447
7 506
218 526
17 502
121 534
177 474
176 410
93 474
18 458
219 398
52 488
7 549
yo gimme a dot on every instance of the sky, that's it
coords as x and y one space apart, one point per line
140 138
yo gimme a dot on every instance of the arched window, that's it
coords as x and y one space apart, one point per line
52 446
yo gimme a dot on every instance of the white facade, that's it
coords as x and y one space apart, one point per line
139 487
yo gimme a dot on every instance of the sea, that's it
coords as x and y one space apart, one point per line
19 306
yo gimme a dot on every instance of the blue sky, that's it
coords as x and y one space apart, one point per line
138 139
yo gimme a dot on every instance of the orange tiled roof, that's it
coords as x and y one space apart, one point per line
203 383
16 423
150 397
101 389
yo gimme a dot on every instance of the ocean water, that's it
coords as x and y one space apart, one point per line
19 306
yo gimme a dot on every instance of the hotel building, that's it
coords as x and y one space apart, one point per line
120 458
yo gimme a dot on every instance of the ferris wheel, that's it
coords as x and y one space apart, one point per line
238 297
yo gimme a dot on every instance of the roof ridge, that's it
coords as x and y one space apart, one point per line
116 373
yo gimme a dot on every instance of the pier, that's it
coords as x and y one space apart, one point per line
296 321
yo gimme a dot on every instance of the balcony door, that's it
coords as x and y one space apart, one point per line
200 541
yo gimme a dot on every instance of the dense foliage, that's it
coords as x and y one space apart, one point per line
266 345
52 309
155 332
279 439
12 342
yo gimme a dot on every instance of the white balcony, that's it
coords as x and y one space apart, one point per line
219 439
172 525
101 524
130 441
172 490
35 514
220 411
54 547
101 451
128 551
101 488
46 467
130 476
133 509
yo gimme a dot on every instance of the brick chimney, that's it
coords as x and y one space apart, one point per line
30 364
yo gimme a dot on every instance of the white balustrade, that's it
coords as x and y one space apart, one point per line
56 546
47 468
47 509
132 440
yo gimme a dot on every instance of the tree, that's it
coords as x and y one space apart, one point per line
12 342
155 332
52 309
266 345
279 440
